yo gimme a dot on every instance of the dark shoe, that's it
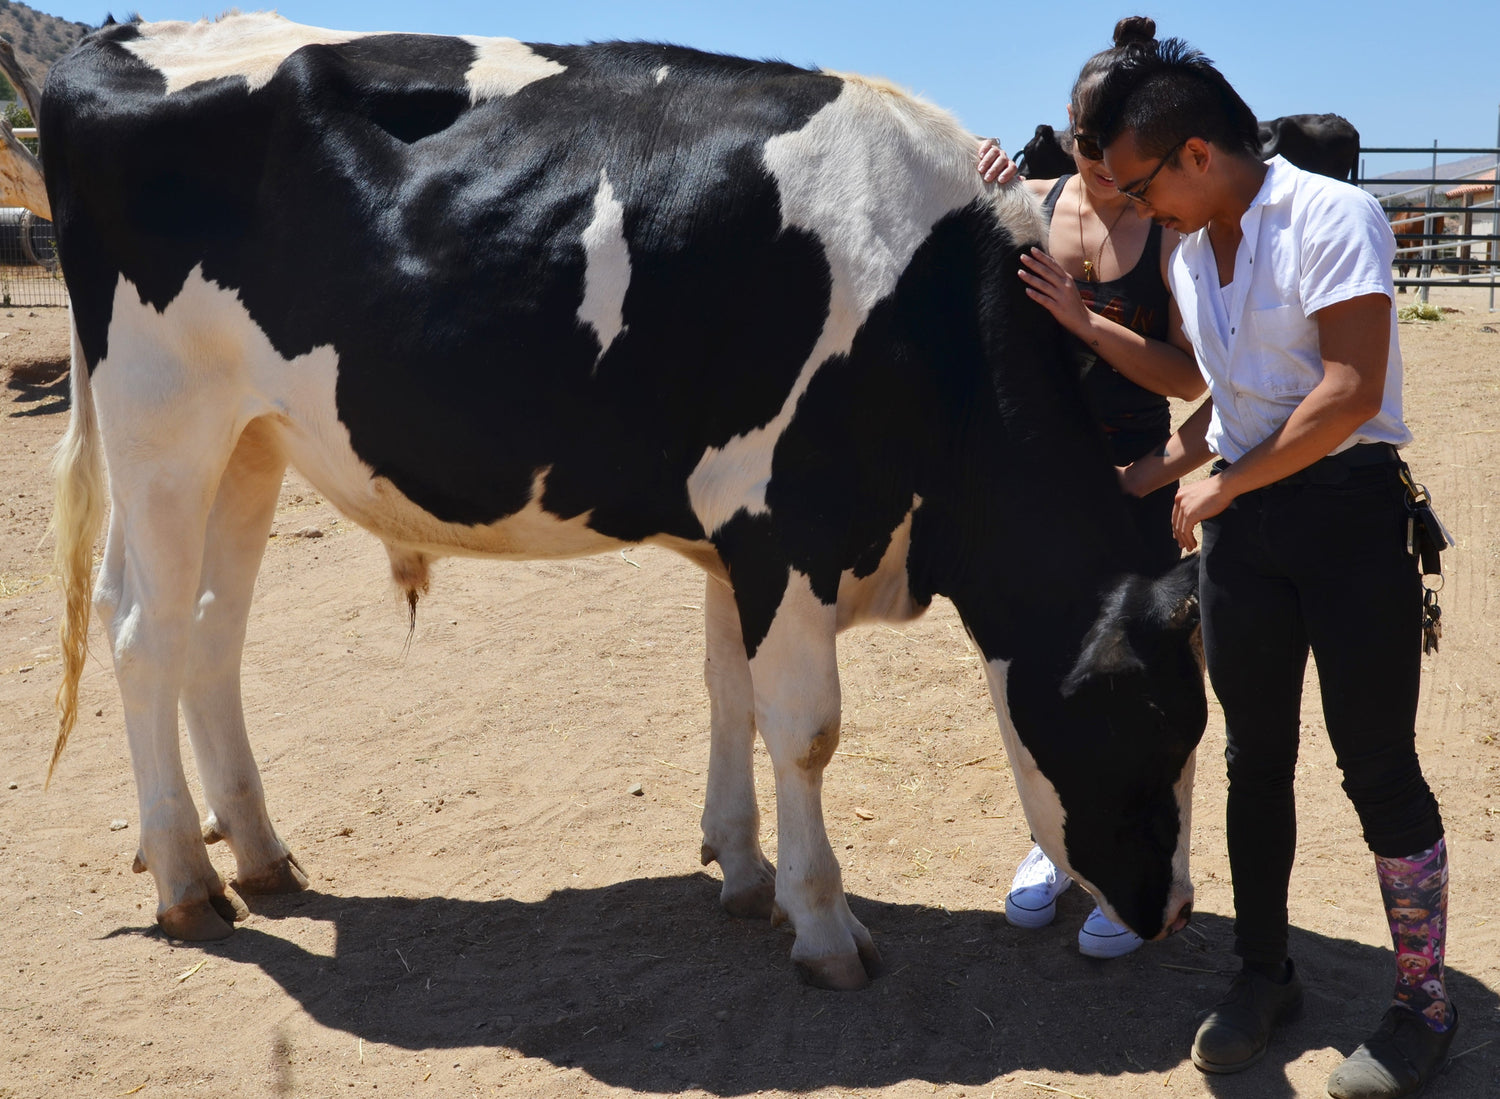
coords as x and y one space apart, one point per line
1398 1059
1234 1035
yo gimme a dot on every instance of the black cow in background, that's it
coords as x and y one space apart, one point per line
1048 154
1324 143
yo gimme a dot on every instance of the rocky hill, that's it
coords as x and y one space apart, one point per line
39 39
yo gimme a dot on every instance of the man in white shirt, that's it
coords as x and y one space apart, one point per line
1284 283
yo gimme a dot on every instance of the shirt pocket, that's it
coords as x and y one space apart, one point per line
1282 345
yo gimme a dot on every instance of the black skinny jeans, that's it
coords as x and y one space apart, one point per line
1297 565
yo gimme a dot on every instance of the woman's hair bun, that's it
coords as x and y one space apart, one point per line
1135 30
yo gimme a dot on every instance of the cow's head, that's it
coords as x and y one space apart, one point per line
1047 155
1104 753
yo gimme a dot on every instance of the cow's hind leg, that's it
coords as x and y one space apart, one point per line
795 676
731 817
235 541
163 477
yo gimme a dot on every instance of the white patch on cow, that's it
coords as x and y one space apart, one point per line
1182 791
1039 798
251 45
884 595
868 176
503 66
661 73
606 274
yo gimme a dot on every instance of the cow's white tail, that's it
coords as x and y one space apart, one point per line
77 515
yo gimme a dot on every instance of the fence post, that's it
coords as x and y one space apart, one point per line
1494 249
1427 249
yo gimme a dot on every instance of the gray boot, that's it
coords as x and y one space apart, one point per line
1399 1059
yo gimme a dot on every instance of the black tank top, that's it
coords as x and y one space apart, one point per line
1137 299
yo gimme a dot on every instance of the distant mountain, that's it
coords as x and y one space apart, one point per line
1453 169
39 39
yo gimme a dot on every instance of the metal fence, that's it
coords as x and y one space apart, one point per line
29 274
1447 227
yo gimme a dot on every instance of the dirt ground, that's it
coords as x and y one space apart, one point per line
493 912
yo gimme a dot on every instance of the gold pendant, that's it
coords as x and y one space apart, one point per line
1088 270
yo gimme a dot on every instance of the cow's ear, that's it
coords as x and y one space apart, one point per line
1106 651
1177 595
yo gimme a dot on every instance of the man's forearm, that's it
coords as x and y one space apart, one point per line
1180 455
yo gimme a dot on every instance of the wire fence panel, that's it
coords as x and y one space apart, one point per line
29 274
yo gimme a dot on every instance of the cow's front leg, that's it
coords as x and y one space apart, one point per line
211 704
796 684
731 817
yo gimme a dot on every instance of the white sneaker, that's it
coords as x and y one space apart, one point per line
1101 937
1032 900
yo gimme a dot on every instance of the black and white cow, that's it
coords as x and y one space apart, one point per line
514 300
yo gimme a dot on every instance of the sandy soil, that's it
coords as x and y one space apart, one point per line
493 912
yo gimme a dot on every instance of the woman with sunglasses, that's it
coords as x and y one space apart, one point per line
1104 281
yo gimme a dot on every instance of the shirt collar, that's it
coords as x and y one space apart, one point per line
1277 187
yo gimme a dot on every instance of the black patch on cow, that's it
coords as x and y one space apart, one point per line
410 85
751 547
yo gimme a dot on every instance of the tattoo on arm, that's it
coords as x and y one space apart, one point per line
1162 453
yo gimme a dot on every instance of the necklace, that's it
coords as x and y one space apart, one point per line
1091 266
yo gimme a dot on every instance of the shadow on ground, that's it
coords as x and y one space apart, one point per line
42 385
646 984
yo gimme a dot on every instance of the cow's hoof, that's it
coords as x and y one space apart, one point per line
754 903
285 875
751 896
841 972
749 891
204 920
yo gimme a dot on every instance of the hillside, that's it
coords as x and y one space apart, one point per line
39 39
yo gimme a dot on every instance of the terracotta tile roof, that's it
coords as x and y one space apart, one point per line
1482 184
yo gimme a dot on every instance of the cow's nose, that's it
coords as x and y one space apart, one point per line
1184 914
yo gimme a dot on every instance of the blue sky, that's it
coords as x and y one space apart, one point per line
1403 75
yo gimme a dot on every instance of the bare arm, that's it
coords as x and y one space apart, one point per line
1177 457
1165 367
1353 340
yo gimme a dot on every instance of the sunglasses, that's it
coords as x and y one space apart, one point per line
1088 145
1138 192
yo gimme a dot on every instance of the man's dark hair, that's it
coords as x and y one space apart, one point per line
1166 95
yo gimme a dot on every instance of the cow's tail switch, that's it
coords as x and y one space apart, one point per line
77 515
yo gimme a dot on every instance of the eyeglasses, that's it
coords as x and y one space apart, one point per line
1088 145
1138 193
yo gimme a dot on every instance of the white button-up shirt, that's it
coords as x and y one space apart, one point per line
1309 242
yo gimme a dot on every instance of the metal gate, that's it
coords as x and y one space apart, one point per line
1447 227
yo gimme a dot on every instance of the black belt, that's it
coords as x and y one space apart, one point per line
1335 468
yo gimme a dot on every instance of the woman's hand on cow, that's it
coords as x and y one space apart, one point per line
994 165
1047 283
